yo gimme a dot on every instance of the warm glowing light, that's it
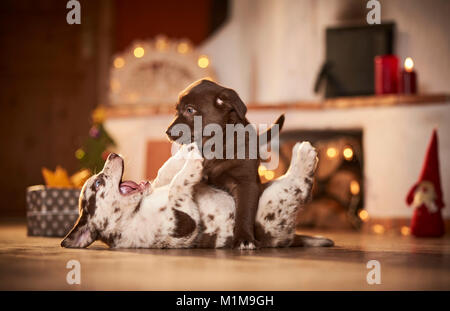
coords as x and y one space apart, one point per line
139 52
348 153
331 152
378 229
354 187
269 175
99 115
79 154
119 62
161 44
409 64
183 47
405 231
203 61
363 215
261 170
115 85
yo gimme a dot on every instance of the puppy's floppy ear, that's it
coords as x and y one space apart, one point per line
231 99
81 235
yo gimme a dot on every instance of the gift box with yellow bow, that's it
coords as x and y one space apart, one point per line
52 209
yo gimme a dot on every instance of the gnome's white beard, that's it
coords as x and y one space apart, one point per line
425 195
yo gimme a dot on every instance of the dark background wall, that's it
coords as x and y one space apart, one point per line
48 81
146 19
52 75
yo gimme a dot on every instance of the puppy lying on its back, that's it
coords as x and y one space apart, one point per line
124 214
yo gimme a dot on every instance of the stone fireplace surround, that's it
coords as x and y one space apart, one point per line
396 131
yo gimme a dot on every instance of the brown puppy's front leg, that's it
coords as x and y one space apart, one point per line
246 195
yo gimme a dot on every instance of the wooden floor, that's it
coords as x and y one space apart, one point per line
35 263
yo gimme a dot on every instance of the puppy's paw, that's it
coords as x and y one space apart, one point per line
306 157
188 151
179 151
193 151
245 244
193 169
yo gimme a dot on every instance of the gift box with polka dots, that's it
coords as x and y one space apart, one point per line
51 211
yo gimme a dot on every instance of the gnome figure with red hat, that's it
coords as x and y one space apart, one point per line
426 196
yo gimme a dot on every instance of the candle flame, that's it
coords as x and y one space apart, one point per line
409 64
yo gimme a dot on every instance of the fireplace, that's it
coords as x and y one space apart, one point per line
337 200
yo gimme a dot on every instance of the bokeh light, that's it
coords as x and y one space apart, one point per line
348 153
203 61
405 230
378 229
331 152
79 154
354 187
139 52
363 215
183 47
119 62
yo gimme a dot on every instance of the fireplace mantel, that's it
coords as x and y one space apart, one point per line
120 111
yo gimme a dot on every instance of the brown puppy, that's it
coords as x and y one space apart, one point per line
238 175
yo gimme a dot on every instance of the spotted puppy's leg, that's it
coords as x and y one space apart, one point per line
278 205
183 210
171 167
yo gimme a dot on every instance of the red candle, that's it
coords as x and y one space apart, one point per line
408 78
386 74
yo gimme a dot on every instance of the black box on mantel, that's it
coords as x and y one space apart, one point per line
51 211
350 52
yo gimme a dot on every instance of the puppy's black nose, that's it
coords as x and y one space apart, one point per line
168 132
112 156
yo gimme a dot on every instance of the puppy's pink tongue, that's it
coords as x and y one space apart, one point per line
128 186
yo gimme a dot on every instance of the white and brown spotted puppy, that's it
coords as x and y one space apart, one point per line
124 214
178 211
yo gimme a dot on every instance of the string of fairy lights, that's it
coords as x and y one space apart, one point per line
171 63
161 45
